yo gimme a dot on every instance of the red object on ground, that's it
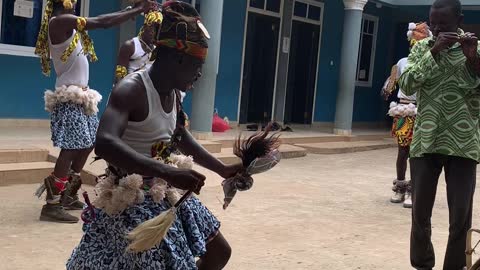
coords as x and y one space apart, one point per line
219 125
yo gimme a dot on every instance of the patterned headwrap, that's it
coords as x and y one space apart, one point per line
417 32
183 30
42 48
152 18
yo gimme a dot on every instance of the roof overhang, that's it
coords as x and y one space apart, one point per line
424 2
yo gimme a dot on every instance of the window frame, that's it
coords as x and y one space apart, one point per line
19 50
376 20
265 11
306 19
193 2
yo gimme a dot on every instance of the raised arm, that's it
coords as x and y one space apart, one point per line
122 102
68 22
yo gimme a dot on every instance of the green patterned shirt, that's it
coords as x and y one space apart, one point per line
448 101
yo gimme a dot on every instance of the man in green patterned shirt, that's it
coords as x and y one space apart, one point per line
444 72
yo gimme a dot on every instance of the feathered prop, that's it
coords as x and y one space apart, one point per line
259 153
151 232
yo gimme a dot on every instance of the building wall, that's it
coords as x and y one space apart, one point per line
329 64
229 71
23 84
368 105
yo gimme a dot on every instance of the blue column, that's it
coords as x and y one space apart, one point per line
203 96
348 65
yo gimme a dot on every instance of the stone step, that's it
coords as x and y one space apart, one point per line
212 147
369 137
347 147
23 155
287 151
24 173
287 138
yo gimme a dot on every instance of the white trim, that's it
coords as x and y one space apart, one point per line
279 51
354 4
193 2
424 2
271 14
368 83
85 8
245 30
265 12
17 50
26 51
318 61
300 19
321 5
1 14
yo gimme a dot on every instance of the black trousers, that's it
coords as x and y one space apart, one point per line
460 174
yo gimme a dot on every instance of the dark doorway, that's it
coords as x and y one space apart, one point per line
302 72
260 64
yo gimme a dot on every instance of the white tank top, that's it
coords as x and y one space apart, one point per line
401 66
140 60
75 70
158 126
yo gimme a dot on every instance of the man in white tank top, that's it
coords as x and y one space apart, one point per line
142 113
73 105
134 55
403 113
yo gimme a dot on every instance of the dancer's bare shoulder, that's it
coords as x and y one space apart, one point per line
129 93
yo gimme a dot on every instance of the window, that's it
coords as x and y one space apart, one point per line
366 53
266 6
273 5
257 3
20 22
307 11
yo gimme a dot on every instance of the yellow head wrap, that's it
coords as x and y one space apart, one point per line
153 17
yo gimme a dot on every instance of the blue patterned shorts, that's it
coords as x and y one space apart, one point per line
104 244
72 128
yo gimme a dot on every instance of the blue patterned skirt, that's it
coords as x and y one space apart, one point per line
72 128
104 243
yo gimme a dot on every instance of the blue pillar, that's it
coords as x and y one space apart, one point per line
348 65
203 97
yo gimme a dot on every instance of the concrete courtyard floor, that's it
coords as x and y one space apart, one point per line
317 212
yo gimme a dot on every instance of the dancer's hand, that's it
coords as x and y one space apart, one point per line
444 41
230 170
185 179
146 5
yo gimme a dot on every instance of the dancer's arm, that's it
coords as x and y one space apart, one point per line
123 102
189 146
68 22
123 60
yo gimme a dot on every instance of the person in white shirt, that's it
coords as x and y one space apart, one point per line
63 39
403 113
